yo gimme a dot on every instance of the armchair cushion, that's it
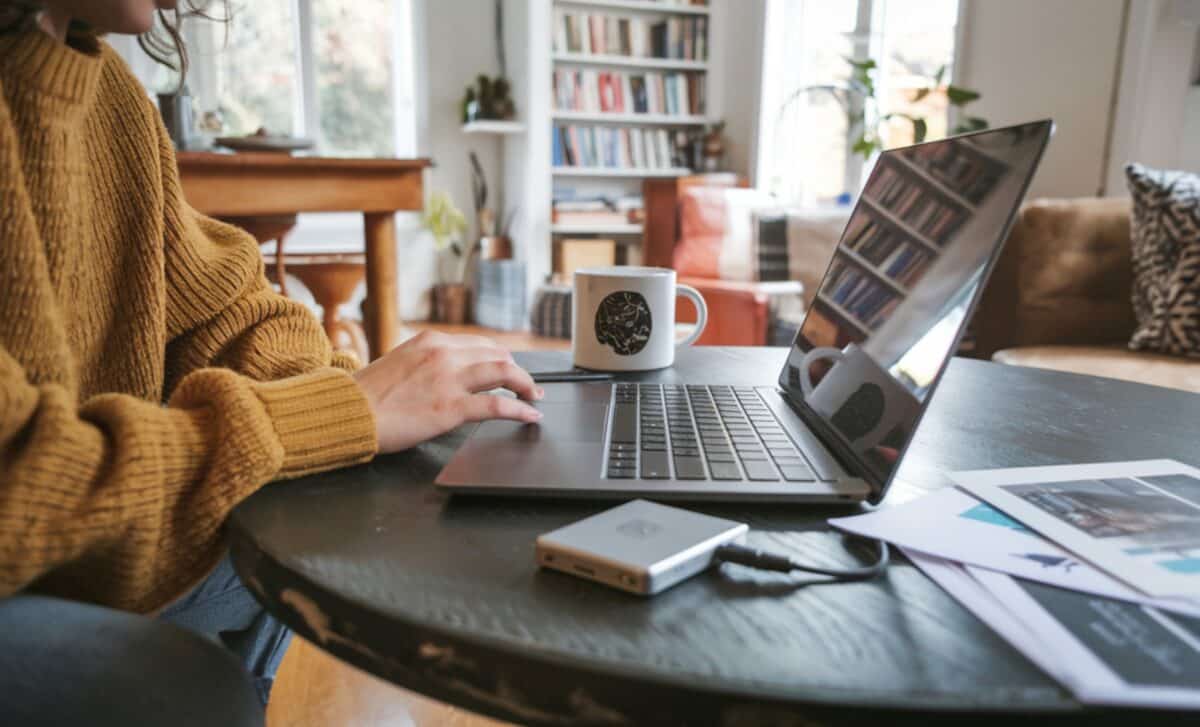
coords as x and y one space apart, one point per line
1064 277
1115 362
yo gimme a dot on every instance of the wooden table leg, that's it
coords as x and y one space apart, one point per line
381 312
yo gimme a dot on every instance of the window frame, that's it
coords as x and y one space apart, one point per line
866 43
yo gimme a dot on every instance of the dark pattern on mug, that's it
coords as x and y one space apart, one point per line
623 322
861 412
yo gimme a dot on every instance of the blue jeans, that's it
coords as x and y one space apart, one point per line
223 610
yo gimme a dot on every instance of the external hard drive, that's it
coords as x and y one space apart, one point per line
641 546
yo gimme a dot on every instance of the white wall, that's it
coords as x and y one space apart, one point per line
1157 119
1037 58
737 76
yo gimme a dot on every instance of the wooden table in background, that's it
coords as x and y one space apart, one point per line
271 187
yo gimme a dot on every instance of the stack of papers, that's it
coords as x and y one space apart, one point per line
1091 571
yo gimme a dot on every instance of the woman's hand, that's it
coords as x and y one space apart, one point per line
434 382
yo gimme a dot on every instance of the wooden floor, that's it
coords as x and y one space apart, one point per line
314 689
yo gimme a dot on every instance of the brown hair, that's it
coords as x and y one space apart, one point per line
163 43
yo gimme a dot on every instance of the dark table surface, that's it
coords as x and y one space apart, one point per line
441 595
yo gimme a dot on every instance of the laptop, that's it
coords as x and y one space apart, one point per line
889 313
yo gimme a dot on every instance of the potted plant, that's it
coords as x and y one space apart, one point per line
447 224
856 96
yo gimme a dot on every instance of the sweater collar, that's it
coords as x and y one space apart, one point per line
68 72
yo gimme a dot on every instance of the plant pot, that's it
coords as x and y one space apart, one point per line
451 303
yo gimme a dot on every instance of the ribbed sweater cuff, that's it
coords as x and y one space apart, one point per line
322 420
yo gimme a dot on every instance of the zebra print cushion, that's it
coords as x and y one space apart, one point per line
1165 230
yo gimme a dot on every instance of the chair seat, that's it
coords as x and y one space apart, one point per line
1114 362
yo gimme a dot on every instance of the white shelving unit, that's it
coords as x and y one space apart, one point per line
604 229
611 61
610 118
614 172
642 6
530 176
493 127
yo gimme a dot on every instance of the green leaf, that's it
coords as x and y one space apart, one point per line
920 129
937 77
864 146
920 94
959 96
866 64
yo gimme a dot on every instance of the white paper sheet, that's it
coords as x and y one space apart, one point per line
954 525
1138 521
1107 651
1104 651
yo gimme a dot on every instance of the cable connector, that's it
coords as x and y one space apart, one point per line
763 560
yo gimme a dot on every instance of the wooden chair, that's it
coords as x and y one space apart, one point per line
331 278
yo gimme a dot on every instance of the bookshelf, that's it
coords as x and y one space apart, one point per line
616 172
533 172
913 207
619 61
627 78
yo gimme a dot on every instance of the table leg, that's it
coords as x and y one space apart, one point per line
381 312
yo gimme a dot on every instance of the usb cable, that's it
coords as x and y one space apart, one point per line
763 560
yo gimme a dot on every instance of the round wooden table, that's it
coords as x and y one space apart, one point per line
441 595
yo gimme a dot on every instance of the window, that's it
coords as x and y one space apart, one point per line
337 71
805 149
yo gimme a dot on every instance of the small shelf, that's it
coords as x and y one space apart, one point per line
603 118
844 314
493 127
901 225
861 262
619 172
610 228
937 184
673 64
640 5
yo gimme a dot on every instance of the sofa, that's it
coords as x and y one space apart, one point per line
1060 297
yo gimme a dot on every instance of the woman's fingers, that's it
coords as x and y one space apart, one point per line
481 407
495 374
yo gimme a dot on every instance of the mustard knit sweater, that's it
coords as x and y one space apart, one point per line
149 377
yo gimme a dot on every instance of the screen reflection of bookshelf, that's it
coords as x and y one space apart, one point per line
912 208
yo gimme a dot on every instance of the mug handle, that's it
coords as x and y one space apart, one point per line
693 295
816 354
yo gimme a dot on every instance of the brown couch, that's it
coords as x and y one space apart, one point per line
1060 297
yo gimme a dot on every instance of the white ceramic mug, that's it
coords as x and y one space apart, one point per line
623 318
862 400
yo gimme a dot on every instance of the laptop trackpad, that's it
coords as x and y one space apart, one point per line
574 422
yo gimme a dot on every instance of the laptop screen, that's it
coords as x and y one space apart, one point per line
898 291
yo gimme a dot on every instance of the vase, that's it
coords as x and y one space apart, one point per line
450 303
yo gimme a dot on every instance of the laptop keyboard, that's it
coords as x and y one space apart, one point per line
699 433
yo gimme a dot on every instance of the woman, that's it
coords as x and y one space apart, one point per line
150 379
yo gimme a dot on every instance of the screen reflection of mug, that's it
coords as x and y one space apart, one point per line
862 400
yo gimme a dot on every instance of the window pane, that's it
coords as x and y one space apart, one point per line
257 78
353 49
805 154
805 137
917 40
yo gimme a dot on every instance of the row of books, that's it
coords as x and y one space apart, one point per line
569 209
861 295
612 147
960 166
888 249
676 94
638 37
918 204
